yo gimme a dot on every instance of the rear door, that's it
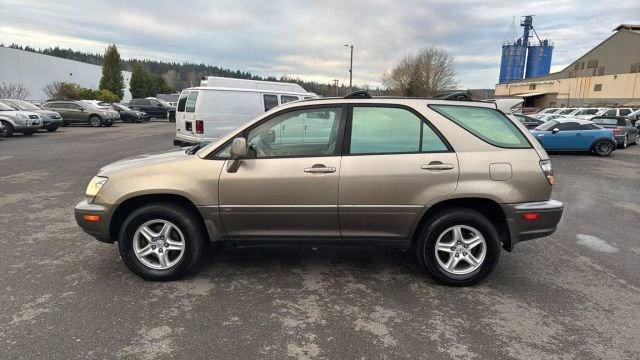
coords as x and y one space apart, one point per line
189 116
181 127
395 162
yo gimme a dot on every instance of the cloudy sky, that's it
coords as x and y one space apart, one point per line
305 38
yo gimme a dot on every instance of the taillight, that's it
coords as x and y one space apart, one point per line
531 216
199 127
547 170
616 131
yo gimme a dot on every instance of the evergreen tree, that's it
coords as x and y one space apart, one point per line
138 82
112 78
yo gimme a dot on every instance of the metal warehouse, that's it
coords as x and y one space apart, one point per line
36 71
607 75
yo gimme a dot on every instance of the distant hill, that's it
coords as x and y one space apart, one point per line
183 75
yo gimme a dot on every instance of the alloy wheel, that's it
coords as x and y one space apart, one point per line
158 244
460 249
95 121
604 148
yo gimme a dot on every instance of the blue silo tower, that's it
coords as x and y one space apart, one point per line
520 52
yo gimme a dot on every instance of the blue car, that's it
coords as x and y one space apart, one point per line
569 134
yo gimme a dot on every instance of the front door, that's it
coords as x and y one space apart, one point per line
395 165
569 137
288 186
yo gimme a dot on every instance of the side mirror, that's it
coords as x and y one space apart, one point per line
238 151
555 130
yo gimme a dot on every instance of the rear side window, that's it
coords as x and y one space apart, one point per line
270 101
191 102
625 112
183 100
381 130
488 124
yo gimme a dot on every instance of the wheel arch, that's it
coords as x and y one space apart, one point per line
487 207
597 140
123 209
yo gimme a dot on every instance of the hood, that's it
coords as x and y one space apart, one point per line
146 160
47 113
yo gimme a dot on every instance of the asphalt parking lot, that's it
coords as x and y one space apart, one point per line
573 295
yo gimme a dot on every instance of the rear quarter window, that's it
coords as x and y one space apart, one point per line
487 124
191 102
182 101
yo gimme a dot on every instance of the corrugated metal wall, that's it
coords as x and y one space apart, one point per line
36 71
538 60
512 63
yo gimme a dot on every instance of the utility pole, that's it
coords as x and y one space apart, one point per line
335 83
350 46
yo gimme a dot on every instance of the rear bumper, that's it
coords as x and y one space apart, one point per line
97 229
549 215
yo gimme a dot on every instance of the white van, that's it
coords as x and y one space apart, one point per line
207 112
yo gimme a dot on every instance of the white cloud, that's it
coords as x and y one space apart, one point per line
300 38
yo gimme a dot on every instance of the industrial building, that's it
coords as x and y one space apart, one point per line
36 71
607 75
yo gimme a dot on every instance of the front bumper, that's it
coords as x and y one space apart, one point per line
97 229
51 123
549 215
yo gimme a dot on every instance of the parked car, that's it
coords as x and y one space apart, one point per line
18 121
567 111
635 118
528 121
466 179
81 112
547 111
3 129
566 134
154 108
615 112
623 130
129 115
586 113
51 120
206 113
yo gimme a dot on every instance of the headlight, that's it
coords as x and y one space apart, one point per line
94 187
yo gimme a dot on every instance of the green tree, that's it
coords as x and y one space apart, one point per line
107 96
138 83
112 78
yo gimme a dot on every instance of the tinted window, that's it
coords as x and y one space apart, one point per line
191 102
625 112
270 101
488 124
589 127
310 132
566 111
611 112
286 98
568 126
183 100
606 121
380 130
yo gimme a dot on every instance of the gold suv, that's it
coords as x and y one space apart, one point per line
454 181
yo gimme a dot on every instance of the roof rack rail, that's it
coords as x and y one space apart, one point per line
360 94
456 95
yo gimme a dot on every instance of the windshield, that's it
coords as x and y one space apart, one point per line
23 105
122 107
566 112
606 121
164 102
548 126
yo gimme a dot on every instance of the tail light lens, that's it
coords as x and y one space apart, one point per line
547 170
616 131
199 127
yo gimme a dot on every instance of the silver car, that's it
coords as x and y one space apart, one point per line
51 120
17 121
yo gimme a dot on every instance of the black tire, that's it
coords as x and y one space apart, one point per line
603 147
95 121
53 129
27 133
9 129
439 224
625 142
195 240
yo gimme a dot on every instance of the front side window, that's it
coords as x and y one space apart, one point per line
270 101
183 100
309 132
286 98
487 124
568 126
382 130
611 112
191 102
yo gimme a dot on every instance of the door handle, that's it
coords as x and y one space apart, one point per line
437 165
319 169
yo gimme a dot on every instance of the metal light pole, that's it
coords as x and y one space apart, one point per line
335 83
350 46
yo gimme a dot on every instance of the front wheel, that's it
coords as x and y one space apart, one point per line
9 129
603 148
161 242
458 247
95 121
52 129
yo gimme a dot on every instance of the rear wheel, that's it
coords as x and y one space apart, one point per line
9 129
52 129
161 242
603 148
458 247
95 121
28 133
